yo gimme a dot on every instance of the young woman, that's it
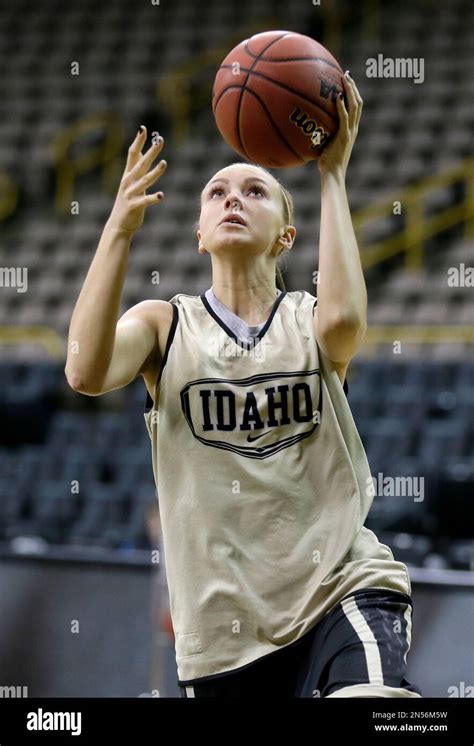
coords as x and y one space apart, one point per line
276 587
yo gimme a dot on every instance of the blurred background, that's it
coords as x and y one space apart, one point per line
82 576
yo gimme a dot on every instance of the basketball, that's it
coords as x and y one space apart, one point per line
274 98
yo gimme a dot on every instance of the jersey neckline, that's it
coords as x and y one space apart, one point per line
229 331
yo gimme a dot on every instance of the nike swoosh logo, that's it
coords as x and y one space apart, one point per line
250 439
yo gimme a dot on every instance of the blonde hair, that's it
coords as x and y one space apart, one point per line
288 217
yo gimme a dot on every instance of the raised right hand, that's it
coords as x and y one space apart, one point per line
128 211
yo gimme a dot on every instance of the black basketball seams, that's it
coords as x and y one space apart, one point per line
268 113
281 85
257 56
274 41
297 59
263 105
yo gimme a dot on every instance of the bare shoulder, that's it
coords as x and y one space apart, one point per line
157 314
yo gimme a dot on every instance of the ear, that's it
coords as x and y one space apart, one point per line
201 249
287 236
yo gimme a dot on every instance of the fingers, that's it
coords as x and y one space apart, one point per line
343 115
149 199
135 149
149 178
354 100
144 162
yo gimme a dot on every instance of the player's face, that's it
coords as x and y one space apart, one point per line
253 196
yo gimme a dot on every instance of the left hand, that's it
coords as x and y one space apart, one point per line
335 156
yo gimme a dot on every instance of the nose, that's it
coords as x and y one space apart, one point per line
232 201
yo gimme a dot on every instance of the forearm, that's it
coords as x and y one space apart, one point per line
342 294
94 319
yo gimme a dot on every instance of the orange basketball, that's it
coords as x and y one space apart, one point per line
274 98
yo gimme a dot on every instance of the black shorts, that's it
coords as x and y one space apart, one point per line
358 649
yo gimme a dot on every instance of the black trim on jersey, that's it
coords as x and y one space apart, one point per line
171 333
360 592
404 597
345 385
231 334
211 677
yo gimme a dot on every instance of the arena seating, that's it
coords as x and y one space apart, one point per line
86 478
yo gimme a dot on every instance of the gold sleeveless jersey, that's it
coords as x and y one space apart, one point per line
263 486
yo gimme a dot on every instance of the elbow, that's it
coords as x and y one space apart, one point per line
355 327
72 379
77 384
344 325
342 337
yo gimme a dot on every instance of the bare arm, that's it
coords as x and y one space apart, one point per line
342 294
135 346
103 354
340 318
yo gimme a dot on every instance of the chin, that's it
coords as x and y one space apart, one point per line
229 241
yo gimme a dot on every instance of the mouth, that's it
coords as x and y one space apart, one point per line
233 219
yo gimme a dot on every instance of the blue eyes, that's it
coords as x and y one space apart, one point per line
252 189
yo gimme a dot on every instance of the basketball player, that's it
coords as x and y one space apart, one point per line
276 587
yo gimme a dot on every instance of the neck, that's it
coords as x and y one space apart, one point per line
253 304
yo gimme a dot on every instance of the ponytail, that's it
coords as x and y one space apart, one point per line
280 283
288 216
